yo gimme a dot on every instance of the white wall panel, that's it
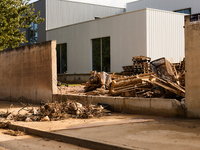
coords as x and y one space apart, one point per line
165 35
170 5
127 35
61 12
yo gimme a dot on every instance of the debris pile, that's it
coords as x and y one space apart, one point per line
180 68
100 81
134 86
141 65
14 133
4 125
145 85
56 111
164 81
158 78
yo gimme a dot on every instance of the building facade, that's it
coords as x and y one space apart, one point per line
181 6
94 37
109 43
58 13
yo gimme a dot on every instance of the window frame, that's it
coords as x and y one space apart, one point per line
60 61
101 53
34 38
190 10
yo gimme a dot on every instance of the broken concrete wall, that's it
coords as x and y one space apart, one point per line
28 73
192 79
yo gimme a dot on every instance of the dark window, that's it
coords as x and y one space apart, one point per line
101 54
96 53
184 11
33 33
61 58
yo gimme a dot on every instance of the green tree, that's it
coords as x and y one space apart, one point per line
16 15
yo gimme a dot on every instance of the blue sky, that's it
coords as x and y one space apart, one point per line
116 3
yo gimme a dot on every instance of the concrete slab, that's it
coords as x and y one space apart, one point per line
143 106
137 105
92 144
124 131
168 134
166 107
159 133
28 142
109 123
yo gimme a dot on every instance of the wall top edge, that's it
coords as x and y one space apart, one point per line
134 2
145 9
82 3
91 4
29 46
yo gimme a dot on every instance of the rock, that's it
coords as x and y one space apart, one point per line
90 116
45 119
28 119
79 105
35 112
9 117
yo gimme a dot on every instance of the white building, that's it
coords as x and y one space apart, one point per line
110 42
147 32
182 6
59 13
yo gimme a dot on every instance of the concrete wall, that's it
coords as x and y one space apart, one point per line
73 78
28 73
192 53
130 35
146 106
169 5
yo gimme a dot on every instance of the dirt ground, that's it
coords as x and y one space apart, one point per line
28 142
74 90
63 124
136 131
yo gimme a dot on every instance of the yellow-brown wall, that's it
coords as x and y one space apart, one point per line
28 73
192 55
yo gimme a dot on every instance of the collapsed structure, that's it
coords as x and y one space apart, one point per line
158 78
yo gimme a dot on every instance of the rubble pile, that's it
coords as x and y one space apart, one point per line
14 133
94 82
145 85
99 82
134 86
56 111
4 125
180 68
141 65
158 78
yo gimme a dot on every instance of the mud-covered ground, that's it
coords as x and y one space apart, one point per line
28 142
136 131
72 89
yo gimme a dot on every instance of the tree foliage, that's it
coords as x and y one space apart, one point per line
15 15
